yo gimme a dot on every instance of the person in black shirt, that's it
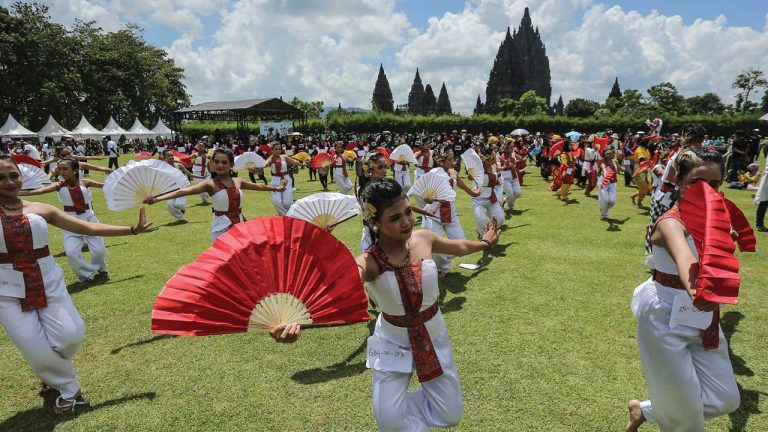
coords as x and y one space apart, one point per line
739 156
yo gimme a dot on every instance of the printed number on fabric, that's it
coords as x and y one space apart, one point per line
11 282
385 356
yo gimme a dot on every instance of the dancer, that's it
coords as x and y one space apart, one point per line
425 159
609 173
486 206
510 175
448 221
589 168
402 174
568 170
403 283
178 207
200 168
689 374
225 191
75 195
340 175
644 182
35 308
278 162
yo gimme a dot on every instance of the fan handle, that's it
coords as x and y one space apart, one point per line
340 222
328 324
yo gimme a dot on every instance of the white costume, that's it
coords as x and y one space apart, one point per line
687 384
402 175
340 175
426 162
200 167
49 336
77 203
511 185
487 204
281 200
226 209
438 403
449 222
606 196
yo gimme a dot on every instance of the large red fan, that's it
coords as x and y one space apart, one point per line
556 149
261 274
184 159
706 218
351 145
24 159
643 166
747 241
322 160
384 152
265 149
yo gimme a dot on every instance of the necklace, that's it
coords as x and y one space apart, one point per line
406 261
12 207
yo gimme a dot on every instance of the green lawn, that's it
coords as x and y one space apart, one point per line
543 336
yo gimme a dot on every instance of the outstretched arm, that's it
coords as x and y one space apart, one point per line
443 245
66 222
201 187
246 185
463 186
41 191
86 165
92 184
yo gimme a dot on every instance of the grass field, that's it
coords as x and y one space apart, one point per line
543 336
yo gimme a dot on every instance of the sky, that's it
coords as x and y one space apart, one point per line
331 50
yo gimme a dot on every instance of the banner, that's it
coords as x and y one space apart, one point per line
282 128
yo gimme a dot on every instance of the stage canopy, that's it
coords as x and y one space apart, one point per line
243 112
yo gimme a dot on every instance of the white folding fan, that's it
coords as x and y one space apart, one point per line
474 165
325 209
249 160
32 177
139 182
403 153
432 187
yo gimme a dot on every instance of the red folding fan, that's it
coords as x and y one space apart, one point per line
24 159
706 218
643 166
556 149
184 159
259 275
747 241
384 152
265 149
322 160
351 145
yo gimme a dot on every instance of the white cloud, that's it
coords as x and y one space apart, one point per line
320 50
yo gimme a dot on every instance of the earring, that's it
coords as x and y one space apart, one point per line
375 228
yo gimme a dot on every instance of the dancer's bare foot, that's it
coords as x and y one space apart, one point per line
636 417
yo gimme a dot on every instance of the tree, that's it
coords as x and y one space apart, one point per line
706 104
764 103
443 102
528 104
667 98
747 81
581 107
430 102
382 94
311 109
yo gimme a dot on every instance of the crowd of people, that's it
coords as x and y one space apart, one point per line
688 371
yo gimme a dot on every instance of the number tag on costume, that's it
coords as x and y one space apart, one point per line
569 171
685 313
626 162
12 283
388 357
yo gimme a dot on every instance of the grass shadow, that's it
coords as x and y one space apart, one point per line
141 342
85 249
517 212
570 201
729 323
750 404
76 287
44 419
613 224
507 227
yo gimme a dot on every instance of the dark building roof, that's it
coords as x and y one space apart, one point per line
266 105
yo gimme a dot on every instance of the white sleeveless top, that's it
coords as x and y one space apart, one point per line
486 190
66 198
220 202
662 260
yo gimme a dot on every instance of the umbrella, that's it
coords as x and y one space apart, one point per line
349 155
518 132
573 136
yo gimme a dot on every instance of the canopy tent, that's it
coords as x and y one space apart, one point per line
243 112
52 129
12 129
85 130
765 117
162 130
138 130
113 129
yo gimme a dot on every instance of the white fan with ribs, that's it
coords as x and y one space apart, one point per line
432 187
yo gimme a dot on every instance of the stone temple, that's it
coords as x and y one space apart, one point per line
520 65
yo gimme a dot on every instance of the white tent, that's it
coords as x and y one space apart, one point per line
162 130
765 117
12 129
138 130
52 129
85 130
113 129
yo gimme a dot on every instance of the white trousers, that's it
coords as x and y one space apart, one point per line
453 231
686 383
282 200
344 183
484 210
403 178
512 191
204 196
418 172
606 197
177 207
73 248
48 338
438 403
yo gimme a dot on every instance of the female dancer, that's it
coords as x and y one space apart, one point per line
35 308
448 221
225 191
403 281
509 174
608 177
281 199
75 195
568 171
689 377
66 152
340 175
200 168
178 207
425 159
486 206
589 168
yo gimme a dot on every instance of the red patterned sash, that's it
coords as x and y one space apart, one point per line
426 161
493 181
233 197
409 282
445 208
21 253
341 165
79 205
278 163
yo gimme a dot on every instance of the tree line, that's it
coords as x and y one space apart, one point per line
47 68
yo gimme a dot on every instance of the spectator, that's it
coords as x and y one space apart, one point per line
112 152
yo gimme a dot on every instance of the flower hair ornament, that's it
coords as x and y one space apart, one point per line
369 212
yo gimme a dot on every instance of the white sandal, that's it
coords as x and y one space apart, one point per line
68 404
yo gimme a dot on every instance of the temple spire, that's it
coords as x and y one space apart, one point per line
382 95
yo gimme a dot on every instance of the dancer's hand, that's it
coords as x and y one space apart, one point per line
492 232
149 200
286 333
143 224
428 200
